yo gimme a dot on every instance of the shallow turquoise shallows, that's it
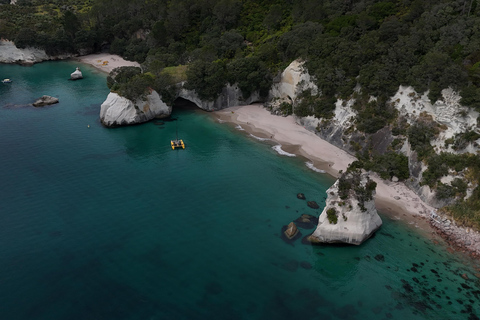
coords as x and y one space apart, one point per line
100 223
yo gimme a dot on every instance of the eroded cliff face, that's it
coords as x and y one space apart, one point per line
9 53
120 111
290 83
348 217
447 114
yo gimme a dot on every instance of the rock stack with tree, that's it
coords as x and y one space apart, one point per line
349 215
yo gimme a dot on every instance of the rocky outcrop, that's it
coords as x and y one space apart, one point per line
349 215
9 53
289 84
291 231
118 111
231 96
45 101
76 75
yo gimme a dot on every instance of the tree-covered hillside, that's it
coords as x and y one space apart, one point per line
371 44
378 44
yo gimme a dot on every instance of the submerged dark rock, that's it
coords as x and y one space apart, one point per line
306 221
301 196
313 205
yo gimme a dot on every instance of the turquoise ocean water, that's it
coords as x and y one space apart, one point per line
100 223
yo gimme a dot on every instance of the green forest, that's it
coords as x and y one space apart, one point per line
379 45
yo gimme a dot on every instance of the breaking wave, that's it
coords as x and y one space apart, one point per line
279 150
311 166
258 138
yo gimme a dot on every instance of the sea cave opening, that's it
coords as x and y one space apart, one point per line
184 104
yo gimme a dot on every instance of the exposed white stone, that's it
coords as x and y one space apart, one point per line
353 226
447 111
117 110
76 75
293 80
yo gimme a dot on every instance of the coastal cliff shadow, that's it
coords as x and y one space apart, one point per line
184 104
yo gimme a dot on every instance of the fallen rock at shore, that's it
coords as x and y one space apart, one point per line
456 236
76 75
349 215
45 101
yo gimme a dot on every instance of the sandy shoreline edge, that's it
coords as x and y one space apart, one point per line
392 198
105 62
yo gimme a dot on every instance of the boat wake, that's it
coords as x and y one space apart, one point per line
311 166
280 151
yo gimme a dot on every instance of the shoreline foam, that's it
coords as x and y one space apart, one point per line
392 198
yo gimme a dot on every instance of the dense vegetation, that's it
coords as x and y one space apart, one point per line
375 44
378 44
350 184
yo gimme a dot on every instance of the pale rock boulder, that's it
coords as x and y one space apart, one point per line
118 111
353 226
76 75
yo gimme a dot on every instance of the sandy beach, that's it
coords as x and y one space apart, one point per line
393 198
106 61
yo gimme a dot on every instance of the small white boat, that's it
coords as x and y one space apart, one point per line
6 81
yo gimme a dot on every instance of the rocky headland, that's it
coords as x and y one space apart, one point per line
120 111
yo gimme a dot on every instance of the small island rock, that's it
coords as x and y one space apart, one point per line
45 101
291 231
301 196
349 215
76 75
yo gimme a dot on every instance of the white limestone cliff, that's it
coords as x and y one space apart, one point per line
118 111
293 80
9 53
353 225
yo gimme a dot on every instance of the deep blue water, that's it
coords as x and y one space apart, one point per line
100 223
